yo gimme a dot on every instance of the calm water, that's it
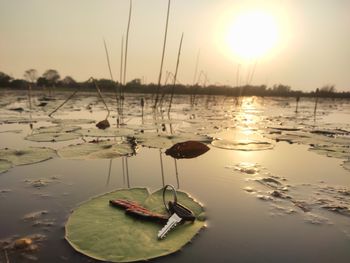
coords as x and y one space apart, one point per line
246 223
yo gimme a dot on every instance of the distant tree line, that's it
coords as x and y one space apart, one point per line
51 79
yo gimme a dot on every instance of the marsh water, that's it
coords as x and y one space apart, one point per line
275 182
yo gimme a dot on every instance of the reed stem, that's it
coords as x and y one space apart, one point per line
108 61
175 75
163 52
127 42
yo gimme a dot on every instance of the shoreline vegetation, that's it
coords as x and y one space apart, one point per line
51 80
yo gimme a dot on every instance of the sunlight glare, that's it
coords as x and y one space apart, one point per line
251 35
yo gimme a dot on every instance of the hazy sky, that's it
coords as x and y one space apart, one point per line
312 50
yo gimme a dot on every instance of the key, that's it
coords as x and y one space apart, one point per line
179 214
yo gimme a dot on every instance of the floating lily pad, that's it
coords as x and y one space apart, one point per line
154 140
106 233
28 155
110 132
96 150
52 137
182 137
57 129
73 121
242 145
5 166
14 119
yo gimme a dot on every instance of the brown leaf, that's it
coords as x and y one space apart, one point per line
189 149
103 124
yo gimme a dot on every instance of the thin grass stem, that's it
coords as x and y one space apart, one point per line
163 53
175 75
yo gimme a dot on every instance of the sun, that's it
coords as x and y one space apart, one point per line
253 34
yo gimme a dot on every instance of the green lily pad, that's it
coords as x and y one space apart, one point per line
110 132
96 150
56 129
106 233
52 137
154 140
28 155
242 145
72 121
5 166
183 137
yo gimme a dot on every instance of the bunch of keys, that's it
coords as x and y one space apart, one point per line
178 213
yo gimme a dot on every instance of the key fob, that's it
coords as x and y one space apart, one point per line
182 211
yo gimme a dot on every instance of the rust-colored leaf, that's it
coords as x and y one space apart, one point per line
189 149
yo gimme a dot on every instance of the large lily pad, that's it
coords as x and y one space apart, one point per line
154 140
242 145
72 121
96 150
52 137
106 233
110 132
56 129
28 155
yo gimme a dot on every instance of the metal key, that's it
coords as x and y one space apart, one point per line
179 214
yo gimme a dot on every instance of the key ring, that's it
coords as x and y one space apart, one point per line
175 196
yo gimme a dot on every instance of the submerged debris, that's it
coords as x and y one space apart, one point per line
340 209
249 189
35 215
25 246
302 205
247 168
39 183
316 219
270 182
